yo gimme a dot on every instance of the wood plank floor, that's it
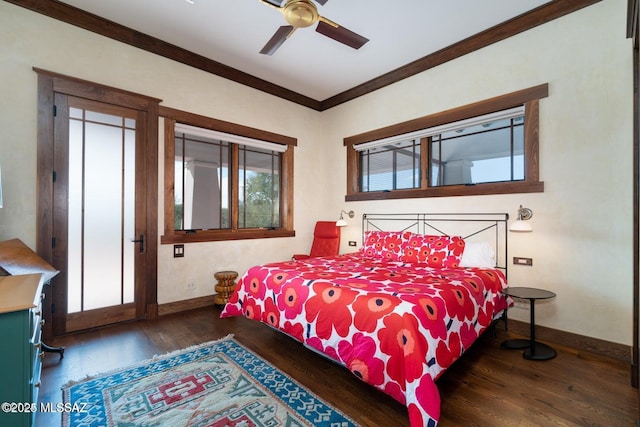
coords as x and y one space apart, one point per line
488 386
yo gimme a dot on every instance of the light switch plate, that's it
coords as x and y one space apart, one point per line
178 251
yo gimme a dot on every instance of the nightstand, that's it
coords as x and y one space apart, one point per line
533 350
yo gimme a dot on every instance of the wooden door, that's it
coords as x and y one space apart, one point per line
99 212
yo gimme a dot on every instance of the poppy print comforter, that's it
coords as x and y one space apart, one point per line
395 325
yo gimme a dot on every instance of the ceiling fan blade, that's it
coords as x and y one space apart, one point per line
275 3
340 34
322 2
280 36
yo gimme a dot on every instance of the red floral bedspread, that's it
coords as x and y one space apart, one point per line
396 326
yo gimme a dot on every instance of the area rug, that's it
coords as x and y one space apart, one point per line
216 384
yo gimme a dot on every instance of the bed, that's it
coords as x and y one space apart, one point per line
398 312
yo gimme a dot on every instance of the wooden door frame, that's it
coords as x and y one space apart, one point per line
50 83
633 32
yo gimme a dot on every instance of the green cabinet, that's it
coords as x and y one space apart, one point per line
21 352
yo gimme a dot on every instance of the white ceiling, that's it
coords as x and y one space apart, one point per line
232 32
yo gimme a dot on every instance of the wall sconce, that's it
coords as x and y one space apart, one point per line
520 224
342 222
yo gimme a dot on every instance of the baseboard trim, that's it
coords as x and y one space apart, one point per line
579 342
152 311
184 305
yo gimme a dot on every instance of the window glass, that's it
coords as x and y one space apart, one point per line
391 167
259 188
201 187
487 152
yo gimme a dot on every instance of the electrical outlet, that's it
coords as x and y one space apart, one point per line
191 286
520 303
522 261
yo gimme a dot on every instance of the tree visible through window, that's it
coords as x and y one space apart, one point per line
259 178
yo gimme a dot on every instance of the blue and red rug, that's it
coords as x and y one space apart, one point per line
216 384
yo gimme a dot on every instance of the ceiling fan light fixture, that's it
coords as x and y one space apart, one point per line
300 13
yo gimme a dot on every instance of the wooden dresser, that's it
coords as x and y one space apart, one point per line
21 356
23 274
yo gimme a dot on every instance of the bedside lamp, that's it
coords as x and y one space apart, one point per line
342 222
521 225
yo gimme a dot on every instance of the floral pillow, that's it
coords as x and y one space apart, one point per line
436 251
385 245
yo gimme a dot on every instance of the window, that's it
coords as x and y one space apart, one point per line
490 147
201 181
259 195
391 167
225 181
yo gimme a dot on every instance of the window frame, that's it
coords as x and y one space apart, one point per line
171 116
531 184
413 144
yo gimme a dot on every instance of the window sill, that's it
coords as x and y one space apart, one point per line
452 190
215 236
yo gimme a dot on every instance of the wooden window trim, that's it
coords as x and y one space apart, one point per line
171 116
529 97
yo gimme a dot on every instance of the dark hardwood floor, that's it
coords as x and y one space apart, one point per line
488 386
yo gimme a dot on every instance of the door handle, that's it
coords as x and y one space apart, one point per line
141 241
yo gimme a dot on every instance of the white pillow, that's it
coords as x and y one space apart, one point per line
478 254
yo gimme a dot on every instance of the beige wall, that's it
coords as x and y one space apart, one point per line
582 239
30 40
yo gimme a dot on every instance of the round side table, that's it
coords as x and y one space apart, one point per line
533 350
225 286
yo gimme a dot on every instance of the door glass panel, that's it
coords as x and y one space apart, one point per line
74 237
76 113
101 211
128 249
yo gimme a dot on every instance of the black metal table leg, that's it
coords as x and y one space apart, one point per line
533 349
536 350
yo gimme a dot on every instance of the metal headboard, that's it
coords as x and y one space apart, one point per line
489 227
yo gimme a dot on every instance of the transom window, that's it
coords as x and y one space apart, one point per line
491 150
223 185
451 153
391 166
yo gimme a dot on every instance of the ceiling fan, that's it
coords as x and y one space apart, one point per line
302 14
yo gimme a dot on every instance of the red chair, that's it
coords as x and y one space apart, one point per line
326 241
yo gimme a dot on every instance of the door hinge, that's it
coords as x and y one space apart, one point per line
53 242
53 308
54 176
55 110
